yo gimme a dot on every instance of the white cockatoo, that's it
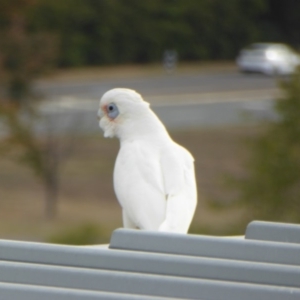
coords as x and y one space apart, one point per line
154 178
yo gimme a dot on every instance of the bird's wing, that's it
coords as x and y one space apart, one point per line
138 184
180 186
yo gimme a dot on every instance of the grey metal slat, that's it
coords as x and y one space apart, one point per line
131 283
163 264
196 245
10 291
271 231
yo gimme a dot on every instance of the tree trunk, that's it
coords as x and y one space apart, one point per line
51 195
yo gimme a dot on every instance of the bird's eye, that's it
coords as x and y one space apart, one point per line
112 110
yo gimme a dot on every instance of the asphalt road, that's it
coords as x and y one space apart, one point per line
182 101
203 82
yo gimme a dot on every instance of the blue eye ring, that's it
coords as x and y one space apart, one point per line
112 110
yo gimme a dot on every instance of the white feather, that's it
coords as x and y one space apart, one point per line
154 177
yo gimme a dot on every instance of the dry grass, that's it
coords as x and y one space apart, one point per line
86 193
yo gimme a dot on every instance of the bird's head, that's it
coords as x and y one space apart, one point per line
120 112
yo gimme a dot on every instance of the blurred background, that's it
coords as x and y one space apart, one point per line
221 75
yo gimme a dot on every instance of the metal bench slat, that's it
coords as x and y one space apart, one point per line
134 283
151 263
271 231
205 246
11 291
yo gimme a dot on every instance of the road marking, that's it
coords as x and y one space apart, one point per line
213 97
71 102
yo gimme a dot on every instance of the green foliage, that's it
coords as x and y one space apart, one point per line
272 187
134 31
24 55
87 234
92 32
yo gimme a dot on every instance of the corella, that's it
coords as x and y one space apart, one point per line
154 177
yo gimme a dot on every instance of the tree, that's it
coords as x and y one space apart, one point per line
272 186
24 56
285 16
133 31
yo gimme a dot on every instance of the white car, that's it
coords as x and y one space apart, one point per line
268 58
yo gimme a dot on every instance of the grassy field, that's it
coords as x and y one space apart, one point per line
87 202
87 208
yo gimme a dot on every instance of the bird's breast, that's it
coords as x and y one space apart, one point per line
139 184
